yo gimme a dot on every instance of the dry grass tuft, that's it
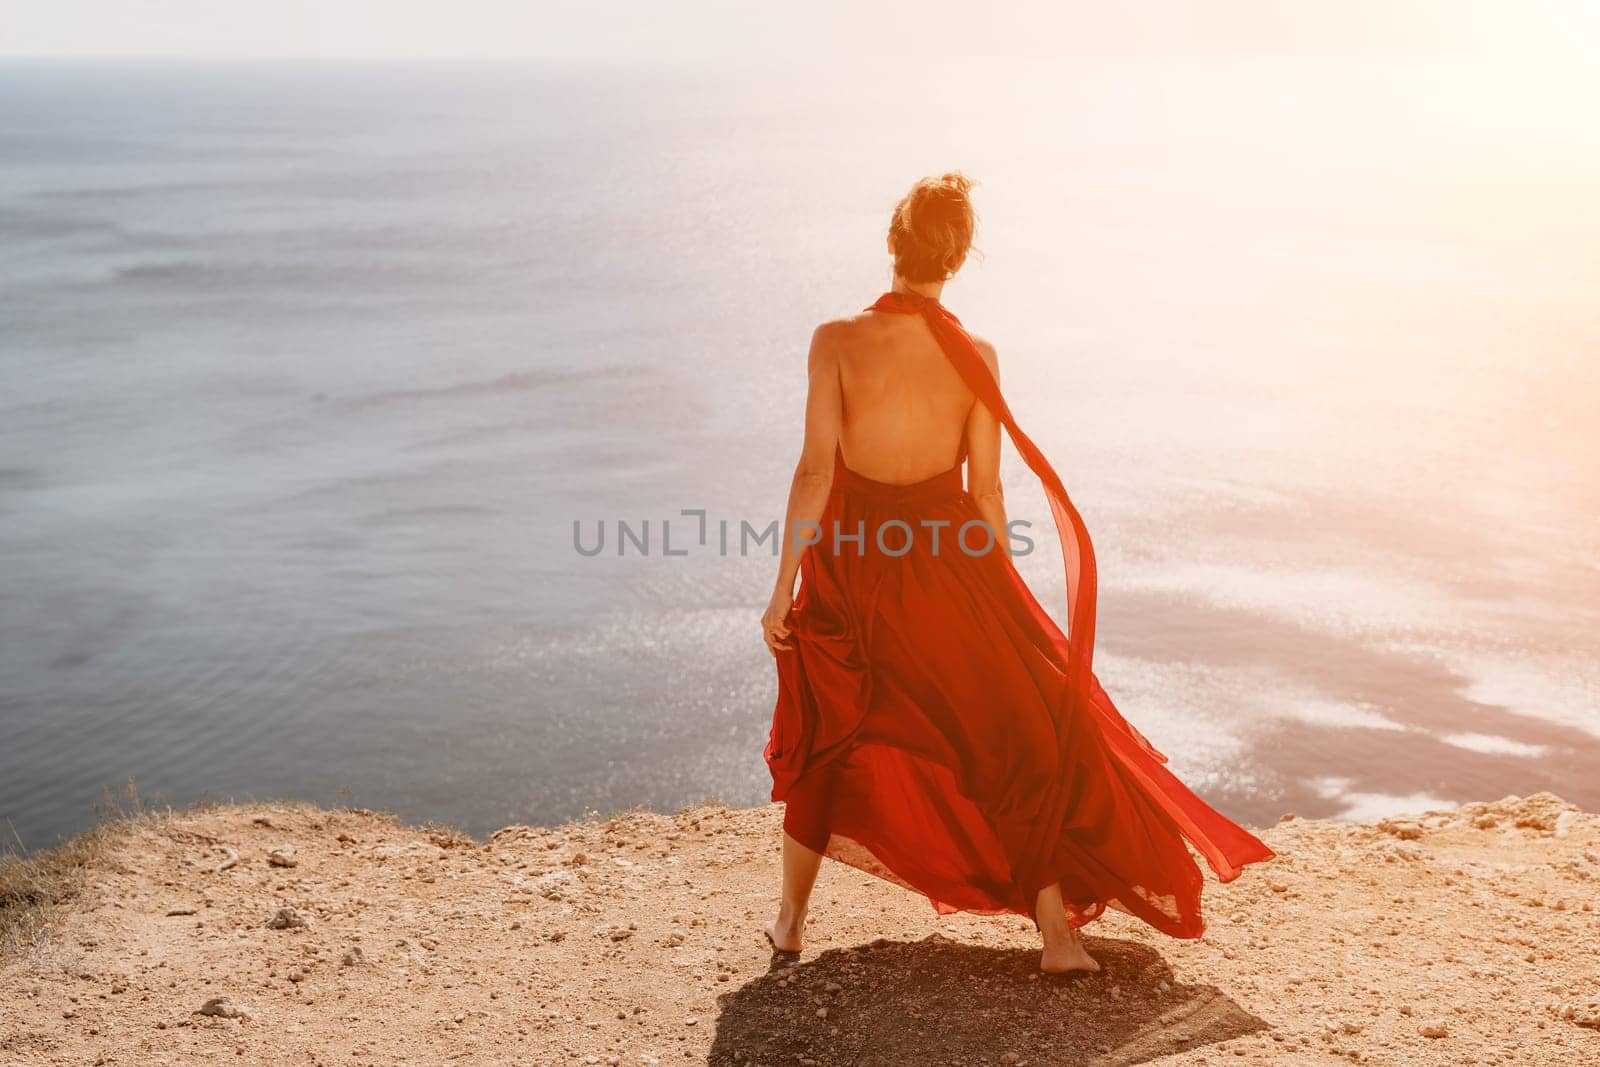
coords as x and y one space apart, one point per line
33 888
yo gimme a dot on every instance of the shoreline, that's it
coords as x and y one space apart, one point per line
287 933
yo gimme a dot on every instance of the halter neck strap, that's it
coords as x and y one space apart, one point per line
1077 552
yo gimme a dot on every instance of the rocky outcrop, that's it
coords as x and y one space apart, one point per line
1459 936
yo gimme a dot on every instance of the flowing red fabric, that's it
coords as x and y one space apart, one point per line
936 728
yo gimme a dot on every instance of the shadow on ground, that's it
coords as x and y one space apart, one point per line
937 1001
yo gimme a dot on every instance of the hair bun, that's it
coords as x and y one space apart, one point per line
932 228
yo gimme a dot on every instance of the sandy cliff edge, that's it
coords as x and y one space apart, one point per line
288 934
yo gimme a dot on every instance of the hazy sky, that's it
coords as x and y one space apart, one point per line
750 30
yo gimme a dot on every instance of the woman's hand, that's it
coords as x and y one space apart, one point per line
775 622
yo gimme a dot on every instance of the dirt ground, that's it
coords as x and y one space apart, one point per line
1467 936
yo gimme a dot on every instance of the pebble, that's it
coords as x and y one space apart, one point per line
223 1008
288 919
1404 829
1435 1029
283 857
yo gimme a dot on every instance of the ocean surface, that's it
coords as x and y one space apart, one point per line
307 372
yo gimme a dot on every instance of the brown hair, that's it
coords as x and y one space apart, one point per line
932 227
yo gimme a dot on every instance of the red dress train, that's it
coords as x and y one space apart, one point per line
935 727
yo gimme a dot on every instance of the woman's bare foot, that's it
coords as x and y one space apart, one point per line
1065 954
1063 949
785 931
799 875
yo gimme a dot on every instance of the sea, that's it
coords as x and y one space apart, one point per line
315 378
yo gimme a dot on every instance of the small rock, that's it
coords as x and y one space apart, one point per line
223 1008
354 957
288 919
1435 1029
283 857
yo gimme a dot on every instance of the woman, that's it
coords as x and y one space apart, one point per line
933 724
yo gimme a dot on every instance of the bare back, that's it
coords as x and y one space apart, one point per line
905 408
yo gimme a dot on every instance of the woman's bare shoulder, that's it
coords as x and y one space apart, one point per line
850 323
987 351
842 334
832 341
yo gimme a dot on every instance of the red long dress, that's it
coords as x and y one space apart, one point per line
934 726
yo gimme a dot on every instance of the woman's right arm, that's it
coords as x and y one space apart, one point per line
983 456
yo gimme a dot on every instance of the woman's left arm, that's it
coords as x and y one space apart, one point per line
813 480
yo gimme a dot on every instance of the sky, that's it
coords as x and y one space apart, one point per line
740 30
